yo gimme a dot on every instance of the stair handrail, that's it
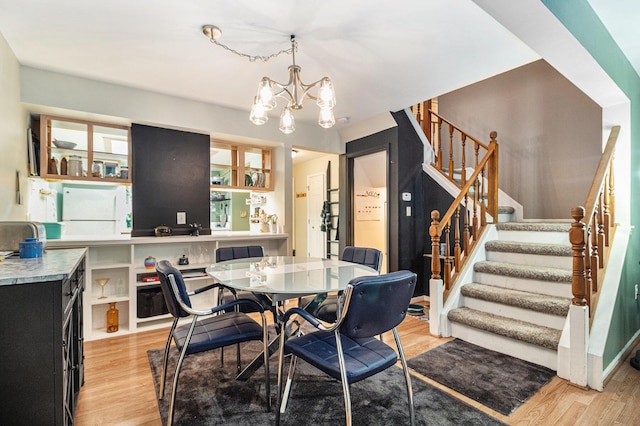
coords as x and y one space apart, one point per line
454 264
590 241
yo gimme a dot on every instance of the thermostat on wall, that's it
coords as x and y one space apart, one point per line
406 196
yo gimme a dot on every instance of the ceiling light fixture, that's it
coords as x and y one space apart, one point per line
295 92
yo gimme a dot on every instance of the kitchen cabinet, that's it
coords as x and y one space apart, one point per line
84 150
240 167
42 354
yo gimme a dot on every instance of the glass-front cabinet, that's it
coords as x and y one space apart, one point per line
241 167
84 150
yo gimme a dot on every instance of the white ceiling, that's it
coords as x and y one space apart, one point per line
380 55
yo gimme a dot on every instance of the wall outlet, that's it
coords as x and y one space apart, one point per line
636 292
181 218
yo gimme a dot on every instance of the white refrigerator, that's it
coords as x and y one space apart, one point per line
93 211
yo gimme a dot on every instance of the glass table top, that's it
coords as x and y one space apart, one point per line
287 274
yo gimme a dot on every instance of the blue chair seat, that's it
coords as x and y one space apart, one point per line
218 331
364 357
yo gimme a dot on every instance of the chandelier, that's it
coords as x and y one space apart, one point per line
295 92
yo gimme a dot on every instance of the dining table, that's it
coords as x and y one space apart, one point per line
281 278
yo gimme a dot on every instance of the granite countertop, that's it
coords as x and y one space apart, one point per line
98 240
54 265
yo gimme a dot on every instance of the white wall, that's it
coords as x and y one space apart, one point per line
13 137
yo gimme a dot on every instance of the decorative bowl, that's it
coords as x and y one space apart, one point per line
64 144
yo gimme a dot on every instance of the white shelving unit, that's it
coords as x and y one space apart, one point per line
123 263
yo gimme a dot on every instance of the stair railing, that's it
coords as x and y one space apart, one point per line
465 226
590 241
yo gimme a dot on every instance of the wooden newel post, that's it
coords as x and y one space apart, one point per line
435 232
577 239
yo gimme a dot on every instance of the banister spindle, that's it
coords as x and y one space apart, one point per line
465 235
600 228
463 173
576 237
435 232
591 269
606 207
447 265
612 192
439 139
451 151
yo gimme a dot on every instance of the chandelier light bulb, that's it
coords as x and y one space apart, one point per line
287 122
326 94
326 118
265 94
258 114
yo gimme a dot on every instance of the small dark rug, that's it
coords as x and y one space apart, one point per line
209 395
501 382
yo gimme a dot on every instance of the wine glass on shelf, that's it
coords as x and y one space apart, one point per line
102 282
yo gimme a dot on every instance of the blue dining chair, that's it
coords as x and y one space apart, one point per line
348 350
212 332
327 309
241 252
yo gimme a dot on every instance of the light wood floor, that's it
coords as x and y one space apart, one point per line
119 389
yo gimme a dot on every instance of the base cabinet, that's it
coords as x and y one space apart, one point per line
42 366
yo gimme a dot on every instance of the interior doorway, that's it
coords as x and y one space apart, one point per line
370 203
307 163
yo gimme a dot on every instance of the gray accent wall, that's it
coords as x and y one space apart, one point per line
549 135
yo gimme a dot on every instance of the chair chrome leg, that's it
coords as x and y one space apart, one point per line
177 373
407 377
287 386
265 348
280 371
343 378
165 359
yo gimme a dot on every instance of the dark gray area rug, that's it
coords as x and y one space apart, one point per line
501 382
209 395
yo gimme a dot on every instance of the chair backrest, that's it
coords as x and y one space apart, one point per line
241 252
363 255
164 269
378 303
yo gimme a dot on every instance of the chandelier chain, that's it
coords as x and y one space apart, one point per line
253 58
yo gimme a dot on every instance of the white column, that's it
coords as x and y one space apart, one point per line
579 343
436 294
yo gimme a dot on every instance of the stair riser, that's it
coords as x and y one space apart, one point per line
506 217
522 284
538 318
534 237
526 351
560 262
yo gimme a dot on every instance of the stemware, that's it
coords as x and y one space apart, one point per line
102 282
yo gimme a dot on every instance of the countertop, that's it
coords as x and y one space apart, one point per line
54 265
102 240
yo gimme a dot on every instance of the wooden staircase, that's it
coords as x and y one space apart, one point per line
518 300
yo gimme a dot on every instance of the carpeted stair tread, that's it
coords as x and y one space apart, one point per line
515 329
543 249
532 226
506 210
522 299
524 271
